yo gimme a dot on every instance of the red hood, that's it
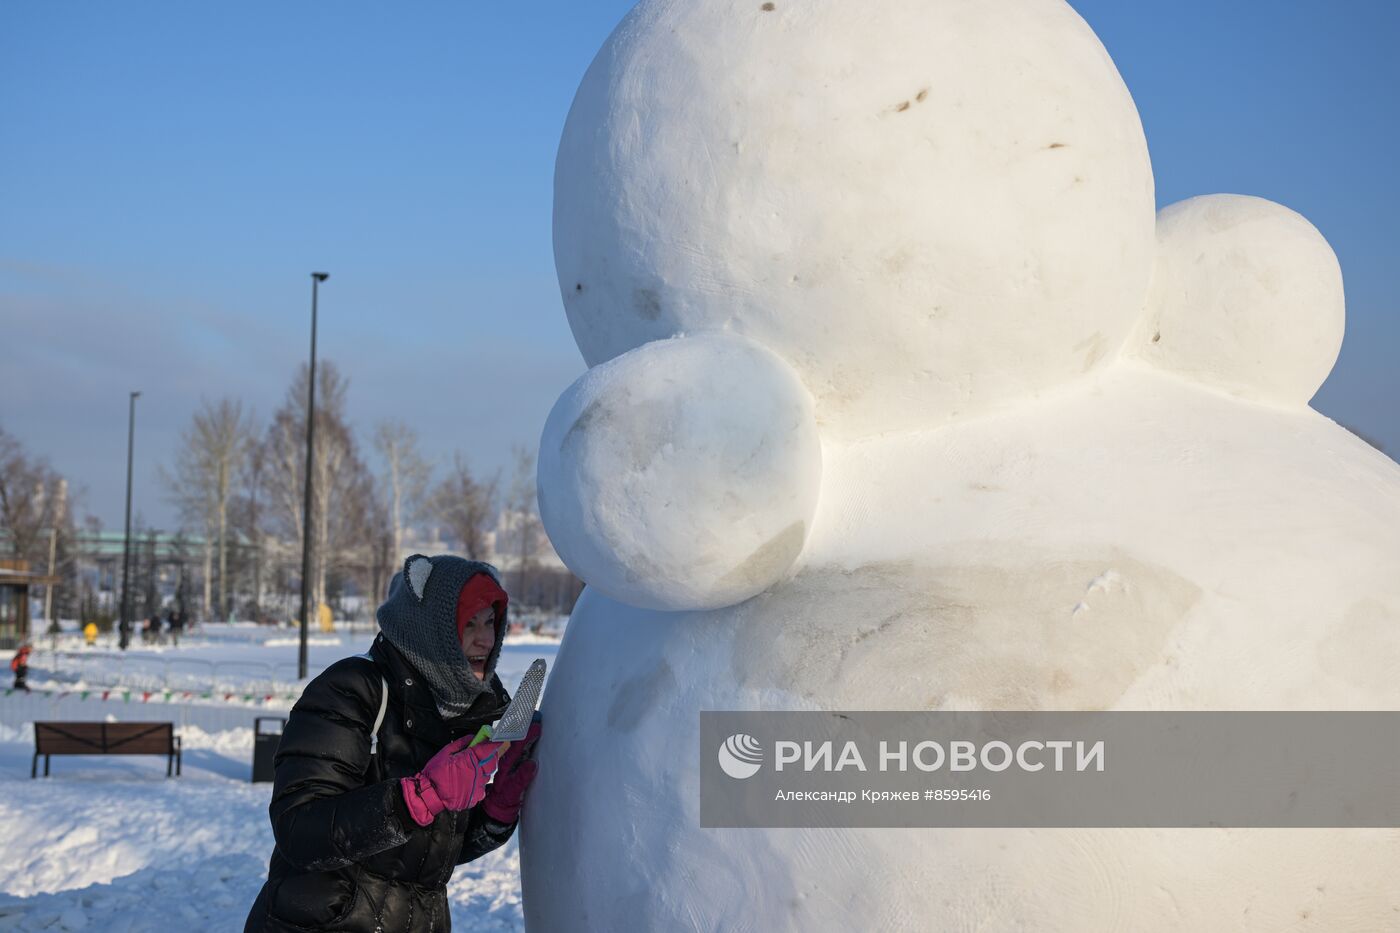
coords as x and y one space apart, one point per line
478 593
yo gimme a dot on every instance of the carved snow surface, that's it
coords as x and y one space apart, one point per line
904 398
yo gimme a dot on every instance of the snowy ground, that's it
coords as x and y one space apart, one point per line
111 844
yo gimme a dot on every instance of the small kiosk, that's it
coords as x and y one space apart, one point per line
15 580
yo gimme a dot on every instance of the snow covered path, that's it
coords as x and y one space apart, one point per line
111 844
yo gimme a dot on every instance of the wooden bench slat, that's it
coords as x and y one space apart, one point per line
63 745
75 738
157 736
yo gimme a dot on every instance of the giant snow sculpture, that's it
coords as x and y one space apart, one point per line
901 398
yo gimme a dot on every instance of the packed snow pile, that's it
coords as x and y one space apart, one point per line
902 398
225 885
111 844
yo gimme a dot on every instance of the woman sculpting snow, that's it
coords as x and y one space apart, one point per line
379 793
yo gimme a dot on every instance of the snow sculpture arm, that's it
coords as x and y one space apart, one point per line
683 474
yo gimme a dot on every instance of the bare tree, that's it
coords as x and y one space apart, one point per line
212 453
379 550
249 510
340 503
146 574
31 501
520 524
35 514
405 480
465 505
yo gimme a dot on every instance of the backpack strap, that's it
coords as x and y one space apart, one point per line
383 708
379 720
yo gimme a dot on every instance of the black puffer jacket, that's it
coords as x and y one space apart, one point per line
348 856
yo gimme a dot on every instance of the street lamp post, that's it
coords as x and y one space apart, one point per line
124 624
316 279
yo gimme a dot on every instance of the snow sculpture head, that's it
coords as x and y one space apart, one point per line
926 207
862 218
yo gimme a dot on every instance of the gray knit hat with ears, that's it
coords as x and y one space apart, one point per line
420 619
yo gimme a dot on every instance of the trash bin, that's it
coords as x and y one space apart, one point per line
265 745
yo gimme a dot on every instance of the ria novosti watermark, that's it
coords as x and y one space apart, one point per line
1050 769
928 755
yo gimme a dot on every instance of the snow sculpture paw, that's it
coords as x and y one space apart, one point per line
682 474
1247 296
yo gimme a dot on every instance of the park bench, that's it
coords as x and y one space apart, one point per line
106 738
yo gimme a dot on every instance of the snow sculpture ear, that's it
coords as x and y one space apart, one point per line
415 573
1247 297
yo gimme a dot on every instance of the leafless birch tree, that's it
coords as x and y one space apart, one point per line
466 506
213 449
339 503
405 479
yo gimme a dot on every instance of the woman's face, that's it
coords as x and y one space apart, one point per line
478 638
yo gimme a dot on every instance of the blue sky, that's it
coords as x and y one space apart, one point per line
171 172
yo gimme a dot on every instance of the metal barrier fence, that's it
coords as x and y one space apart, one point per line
19 709
71 637
140 672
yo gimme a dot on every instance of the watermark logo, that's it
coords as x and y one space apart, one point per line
1052 769
740 756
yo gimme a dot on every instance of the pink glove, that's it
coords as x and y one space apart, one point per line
518 768
453 779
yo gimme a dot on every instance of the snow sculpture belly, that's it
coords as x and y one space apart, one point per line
952 429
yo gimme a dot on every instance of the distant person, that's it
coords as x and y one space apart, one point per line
20 665
377 791
176 622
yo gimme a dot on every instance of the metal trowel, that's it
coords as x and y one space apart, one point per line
515 721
